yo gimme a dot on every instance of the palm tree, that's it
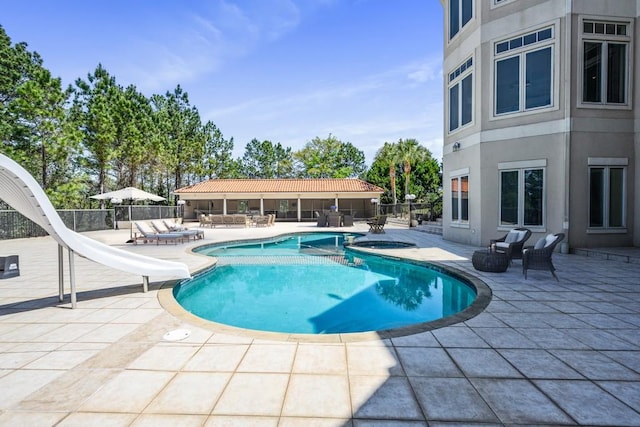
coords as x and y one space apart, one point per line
389 155
409 151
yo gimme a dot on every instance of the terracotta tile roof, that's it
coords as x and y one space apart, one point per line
324 185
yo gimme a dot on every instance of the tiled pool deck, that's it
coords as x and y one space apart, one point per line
542 353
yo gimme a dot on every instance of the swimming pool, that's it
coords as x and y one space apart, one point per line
309 283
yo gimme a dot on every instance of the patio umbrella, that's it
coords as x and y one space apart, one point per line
129 193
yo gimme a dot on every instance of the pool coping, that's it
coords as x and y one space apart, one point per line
484 295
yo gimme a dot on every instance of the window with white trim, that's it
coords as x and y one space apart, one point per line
605 62
524 72
460 13
607 194
522 197
496 3
460 199
461 95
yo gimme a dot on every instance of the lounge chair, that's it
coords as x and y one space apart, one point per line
512 242
376 225
174 226
148 234
161 226
538 257
22 192
272 219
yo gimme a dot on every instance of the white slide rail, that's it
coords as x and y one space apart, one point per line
23 193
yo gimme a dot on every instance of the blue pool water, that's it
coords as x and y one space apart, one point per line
308 283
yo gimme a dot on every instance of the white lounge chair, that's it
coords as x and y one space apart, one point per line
174 227
24 194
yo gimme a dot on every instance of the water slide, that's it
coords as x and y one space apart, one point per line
22 192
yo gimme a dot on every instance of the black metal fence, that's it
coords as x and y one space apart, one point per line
422 211
145 212
14 225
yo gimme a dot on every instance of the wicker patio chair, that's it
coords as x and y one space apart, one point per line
538 257
512 242
205 220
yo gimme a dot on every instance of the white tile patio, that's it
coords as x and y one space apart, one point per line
543 352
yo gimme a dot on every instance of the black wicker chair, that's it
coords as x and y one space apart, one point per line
540 259
513 249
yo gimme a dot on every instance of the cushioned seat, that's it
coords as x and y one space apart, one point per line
538 257
512 242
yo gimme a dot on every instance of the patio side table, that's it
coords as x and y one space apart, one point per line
490 261
9 266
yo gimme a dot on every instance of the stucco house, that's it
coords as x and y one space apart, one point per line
288 199
541 120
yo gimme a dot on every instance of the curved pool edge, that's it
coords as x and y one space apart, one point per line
484 295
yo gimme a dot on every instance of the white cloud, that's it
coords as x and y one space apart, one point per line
366 111
193 45
426 71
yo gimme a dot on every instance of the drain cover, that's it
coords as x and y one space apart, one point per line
176 335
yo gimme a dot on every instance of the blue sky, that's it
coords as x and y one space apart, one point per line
365 71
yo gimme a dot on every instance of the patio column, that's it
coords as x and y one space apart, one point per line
336 203
299 209
224 205
261 204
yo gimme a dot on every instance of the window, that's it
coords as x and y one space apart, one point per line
524 72
460 12
496 3
607 195
522 197
243 206
605 57
461 95
460 199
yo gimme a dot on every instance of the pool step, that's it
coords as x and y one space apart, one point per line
289 260
629 255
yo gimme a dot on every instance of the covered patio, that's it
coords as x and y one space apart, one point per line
288 199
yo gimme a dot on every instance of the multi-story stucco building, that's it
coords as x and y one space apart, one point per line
541 120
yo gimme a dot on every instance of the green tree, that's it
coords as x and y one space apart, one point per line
134 136
16 63
410 152
218 156
267 160
426 178
93 111
388 156
35 129
378 174
182 138
329 158
421 171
